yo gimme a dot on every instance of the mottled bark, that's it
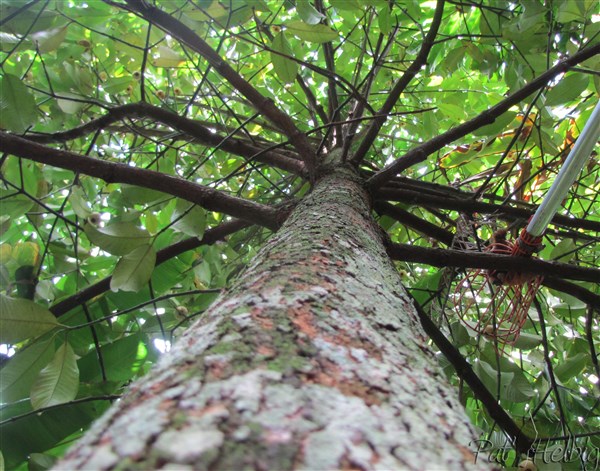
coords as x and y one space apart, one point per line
314 359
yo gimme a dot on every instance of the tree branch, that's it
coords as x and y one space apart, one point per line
484 260
188 126
210 237
420 153
414 222
470 206
264 105
401 85
464 371
111 172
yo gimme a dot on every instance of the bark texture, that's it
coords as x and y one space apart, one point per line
314 359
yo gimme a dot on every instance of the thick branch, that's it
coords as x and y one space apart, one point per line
464 371
188 126
210 237
483 260
414 222
401 85
470 206
264 105
111 172
420 153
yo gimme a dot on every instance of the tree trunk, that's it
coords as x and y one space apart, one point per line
314 359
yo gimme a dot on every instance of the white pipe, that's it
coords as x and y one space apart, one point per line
567 174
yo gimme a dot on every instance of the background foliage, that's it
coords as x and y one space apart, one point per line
71 76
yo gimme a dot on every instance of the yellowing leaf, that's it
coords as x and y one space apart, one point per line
134 269
58 382
5 252
21 319
26 253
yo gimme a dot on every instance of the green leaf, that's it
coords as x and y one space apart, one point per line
119 360
138 195
134 269
564 251
528 341
427 285
570 10
189 219
21 319
514 387
571 367
14 204
346 5
568 89
17 376
119 238
50 40
58 382
40 462
167 57
497 126
79 202
311 33
384 20
17 106
70 103
285 68
308 13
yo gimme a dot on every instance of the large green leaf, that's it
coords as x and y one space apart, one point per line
564 251
513 386
308 13
568 89
17 105
497 126
21 319
58 382
119 359
572 366
350 5
285 68
119 238
79 202
50 40
134 269
312 33
13 203
189 219
39 432
17 376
